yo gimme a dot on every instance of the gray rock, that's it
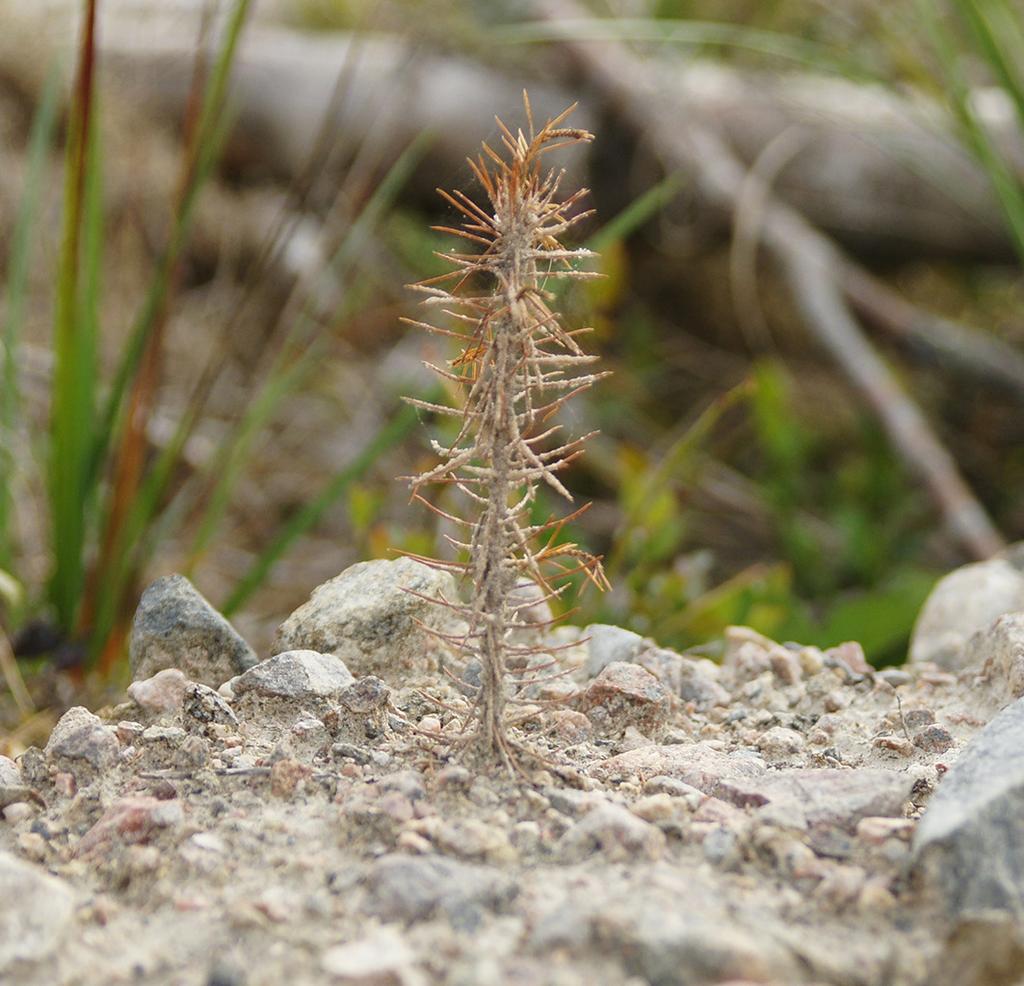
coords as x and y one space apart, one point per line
81 740
12 786
610 643
969 845
175 627
825 798
295 678
722 849
999 650
613 831
372 616
410 889
693 680
687 939
406 782
35 912
365 696
963 603
573 802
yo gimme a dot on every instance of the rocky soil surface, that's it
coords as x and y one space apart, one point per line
785 816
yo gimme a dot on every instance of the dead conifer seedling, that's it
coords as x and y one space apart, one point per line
518 365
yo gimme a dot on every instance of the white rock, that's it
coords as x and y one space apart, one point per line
963 603
382 959
607 644
297 677
35 911
372 616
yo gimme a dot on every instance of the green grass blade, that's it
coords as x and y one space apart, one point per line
994 27
289 368
230 463
213 125
72 405
129 543
1004 182
40 141
678 458
387 438
638 212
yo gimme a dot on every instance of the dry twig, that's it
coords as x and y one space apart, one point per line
517 367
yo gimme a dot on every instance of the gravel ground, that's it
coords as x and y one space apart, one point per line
315 818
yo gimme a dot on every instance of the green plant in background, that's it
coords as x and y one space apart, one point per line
988 33
19 264
836 516
112 499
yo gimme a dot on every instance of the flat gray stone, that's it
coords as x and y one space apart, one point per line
823 797
175 627
963 603
35 912
80 739
687 938
415 888
968 848
297 677
372 616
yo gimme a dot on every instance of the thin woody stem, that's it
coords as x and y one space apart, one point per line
515 352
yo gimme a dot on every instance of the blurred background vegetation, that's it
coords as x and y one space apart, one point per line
210 213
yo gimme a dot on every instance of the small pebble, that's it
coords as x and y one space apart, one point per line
18 812
895 677
933 739
898 744
918 718
128 732
780 742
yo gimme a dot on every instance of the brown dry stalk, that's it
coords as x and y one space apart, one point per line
517 367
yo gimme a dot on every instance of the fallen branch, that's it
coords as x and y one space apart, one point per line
976 353
814 268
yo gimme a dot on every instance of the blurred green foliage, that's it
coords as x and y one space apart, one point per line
825 538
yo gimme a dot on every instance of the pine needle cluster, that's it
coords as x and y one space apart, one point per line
517 367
